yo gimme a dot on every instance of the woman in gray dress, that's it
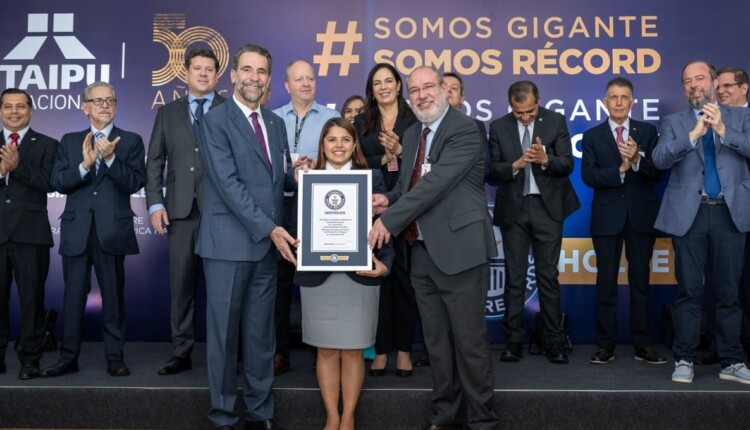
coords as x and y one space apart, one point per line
340 309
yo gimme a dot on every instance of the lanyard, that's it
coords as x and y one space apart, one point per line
298 129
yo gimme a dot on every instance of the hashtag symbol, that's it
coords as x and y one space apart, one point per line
346 58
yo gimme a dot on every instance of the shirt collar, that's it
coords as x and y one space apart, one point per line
210 97
246 110
347 166
613 125
106 130
21 133
434 126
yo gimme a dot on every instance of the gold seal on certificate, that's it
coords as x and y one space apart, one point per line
334 216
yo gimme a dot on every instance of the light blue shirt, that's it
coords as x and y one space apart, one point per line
311 126
192 105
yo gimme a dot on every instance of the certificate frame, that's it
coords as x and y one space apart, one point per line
334 215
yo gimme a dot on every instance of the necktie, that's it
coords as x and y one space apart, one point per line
411 233
259 135
98 135
711 183
620 138
526 144
198 118
13 141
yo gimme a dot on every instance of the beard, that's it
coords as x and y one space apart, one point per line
428 116
245 90
708 97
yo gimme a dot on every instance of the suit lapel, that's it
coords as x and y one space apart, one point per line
609 140
246 130
515 138
273 137
688 121
184 117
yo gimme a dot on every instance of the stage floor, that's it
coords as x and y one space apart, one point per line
530 394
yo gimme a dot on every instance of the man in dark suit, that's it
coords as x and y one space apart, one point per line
247 170
532 159
98 168
705 210
439 204
26 159
174 143
617 164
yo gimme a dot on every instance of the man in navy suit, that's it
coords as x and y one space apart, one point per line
174 144
98 168
25 236
247 170
617 164
706 210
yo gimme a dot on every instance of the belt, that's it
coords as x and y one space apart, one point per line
713 201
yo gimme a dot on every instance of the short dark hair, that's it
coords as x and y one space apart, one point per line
619 81
372 112
458 77
250 47
711 68
17 91
358 158
201 53
740 75
351 99
519 91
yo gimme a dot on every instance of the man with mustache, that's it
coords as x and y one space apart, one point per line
705 210
239 238
439 204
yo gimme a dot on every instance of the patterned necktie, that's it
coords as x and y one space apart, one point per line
620 139
198 118
98 135
14 142
259 135
525 145
411 233
711 183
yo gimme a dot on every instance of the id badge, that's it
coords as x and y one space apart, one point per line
294 156
393 165
426 167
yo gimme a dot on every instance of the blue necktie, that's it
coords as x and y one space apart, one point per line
98 135
198 118
711 183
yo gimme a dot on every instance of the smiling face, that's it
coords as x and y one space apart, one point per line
427 95
454 94
16 112
201 76
698 85
525 111
300 82
352 109
730 92
251 78
385 87
338 146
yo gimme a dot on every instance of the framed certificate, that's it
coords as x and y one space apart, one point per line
334 216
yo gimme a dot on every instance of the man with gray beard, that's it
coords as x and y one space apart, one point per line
440 206
707 216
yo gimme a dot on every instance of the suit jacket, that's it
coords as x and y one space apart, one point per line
385 254
105 195
685 188
616 202
243 193
449 202
554 184
23 202
173 140
374 151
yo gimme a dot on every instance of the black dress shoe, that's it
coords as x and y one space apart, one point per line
61 368
512 353
261 425
117 368
281 365
176 365
650 355
422 362
29 370
404 373
602 356
377 372
556 355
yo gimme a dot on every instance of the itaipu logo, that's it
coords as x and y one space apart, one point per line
177 43
335 200
78 66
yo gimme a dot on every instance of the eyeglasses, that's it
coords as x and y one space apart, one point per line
427 88
728 86
111 101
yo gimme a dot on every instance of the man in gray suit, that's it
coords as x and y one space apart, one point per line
174 143
707 215
247 170
439 204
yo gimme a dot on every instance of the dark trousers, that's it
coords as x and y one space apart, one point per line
184 272
537 229
397 311
28 265
713 239
284 287
638 250
745 296
452 310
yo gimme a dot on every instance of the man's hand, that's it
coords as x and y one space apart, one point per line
379 235
629 150
107 148
9 155
379 203
536 153
159 220
284 243
712 117
89 152
304 164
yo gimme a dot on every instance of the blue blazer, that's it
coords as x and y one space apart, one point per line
384 254
104 196
683 194
243 194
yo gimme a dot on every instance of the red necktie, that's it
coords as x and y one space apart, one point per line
620 140
259 135
411 233
14 139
